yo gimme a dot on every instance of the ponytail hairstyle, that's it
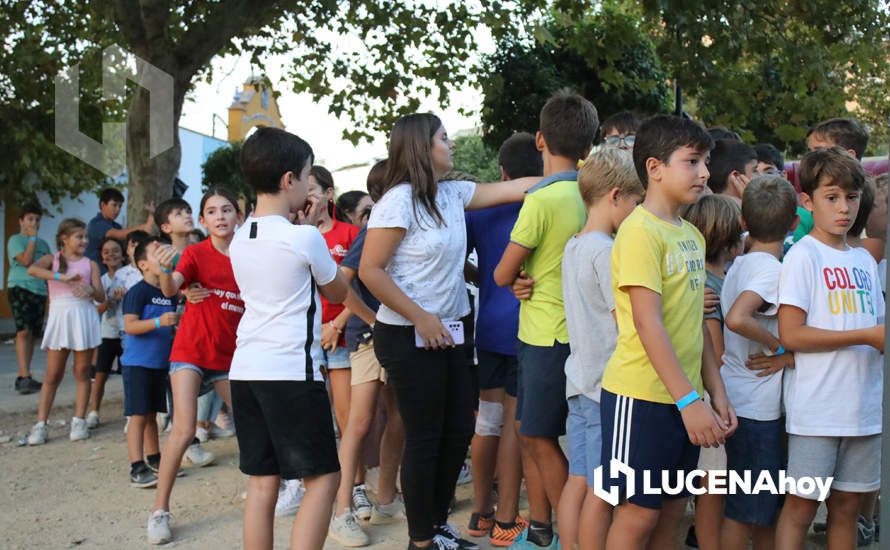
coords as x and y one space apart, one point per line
219 191
325 181
410 146
66 228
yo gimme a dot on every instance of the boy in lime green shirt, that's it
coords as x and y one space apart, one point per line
532 262
653 417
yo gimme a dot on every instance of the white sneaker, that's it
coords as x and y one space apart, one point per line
224 421
290 494
381 514
203 434
163 420
198 456
79 430
158 530
345 530
92 420
38 434
360 502
216 432
466 474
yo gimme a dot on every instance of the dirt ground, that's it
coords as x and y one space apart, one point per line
65 495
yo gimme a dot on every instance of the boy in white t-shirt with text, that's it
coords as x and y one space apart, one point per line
280 406
831 314
754 359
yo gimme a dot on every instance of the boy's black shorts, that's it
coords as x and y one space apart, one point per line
109 350
145 390
28 310
284 428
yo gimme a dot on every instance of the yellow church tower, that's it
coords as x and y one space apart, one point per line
254 106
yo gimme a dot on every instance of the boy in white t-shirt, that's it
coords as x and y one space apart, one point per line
281 409
753 359
831 314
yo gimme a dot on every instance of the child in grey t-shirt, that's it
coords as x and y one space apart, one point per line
610 189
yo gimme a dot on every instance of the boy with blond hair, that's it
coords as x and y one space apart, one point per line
610 190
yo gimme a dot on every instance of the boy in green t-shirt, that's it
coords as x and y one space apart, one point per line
653 417
26 294
552 212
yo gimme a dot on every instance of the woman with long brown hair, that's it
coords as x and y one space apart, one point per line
413 263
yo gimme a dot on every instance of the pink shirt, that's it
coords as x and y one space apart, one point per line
58 289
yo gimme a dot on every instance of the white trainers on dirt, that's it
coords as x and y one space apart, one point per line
290 494
79 430
199 456
345 530
158 529
38 434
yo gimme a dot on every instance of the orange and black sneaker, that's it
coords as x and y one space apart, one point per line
504 536
480 524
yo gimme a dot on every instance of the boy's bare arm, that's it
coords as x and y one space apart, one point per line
502 192
713 382
740 319
796 335
701 424
511 264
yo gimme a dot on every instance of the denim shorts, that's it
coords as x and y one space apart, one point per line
585 436
756 446
337 359
208 376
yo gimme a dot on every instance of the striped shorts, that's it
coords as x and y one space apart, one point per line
650 438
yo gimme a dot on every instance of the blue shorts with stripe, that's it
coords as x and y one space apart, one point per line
648 437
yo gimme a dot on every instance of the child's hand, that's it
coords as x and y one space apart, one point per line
726 413
433 332
118 294
712 300
770 364
164 255
82 291
69 277
169 319
329 337
703 425
876 337
195 293
310 212
522 286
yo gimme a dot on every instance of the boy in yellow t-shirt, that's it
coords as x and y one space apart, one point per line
552 212
653 417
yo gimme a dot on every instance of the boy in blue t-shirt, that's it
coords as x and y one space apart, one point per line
149 317
488 232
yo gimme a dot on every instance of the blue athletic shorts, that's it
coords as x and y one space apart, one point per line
755 446
497 370
541 394
646 436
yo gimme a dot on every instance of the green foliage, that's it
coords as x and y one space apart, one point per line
222 168
473 156
770 69
604 55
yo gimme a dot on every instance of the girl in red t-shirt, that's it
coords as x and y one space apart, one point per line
339 236
205 338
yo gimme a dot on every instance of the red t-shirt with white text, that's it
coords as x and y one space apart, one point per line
339 240
206 333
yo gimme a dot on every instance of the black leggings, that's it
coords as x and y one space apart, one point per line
434 393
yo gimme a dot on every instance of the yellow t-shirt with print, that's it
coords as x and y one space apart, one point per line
670 260
547 220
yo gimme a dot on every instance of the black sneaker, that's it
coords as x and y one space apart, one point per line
154 465
142 477
451 533
25 385
691 539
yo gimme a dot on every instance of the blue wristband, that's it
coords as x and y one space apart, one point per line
166 269
57 276
157 322
780 351
32 239
687 400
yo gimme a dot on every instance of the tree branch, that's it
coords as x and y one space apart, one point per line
226 21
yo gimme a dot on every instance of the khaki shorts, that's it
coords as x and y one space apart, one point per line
365 367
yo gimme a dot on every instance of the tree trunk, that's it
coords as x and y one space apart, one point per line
150 180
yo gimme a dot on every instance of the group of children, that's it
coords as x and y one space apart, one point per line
660 305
